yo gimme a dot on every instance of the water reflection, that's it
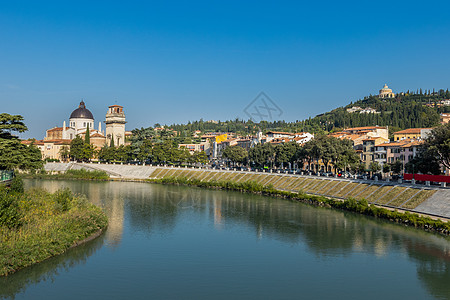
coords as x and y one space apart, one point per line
150 209
104 194
16 283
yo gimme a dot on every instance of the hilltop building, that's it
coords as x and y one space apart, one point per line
386 92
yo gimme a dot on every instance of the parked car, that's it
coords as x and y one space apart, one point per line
376 176
326 174
344 174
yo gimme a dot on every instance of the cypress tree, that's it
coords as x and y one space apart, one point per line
87 136
112 142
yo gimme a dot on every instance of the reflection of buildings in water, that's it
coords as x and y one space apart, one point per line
259 231
380 247
115 212
106 195
115 222
217 205
358 242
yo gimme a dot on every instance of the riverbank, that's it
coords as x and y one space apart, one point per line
80 174
399 203
358 206
36 225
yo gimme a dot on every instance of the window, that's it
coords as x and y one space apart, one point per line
84 124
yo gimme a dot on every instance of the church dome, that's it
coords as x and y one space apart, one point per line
81 112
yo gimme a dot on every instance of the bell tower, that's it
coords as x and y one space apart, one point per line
115 125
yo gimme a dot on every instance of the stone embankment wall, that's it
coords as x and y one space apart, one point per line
416 198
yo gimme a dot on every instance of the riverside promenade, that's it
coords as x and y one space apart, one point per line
429 200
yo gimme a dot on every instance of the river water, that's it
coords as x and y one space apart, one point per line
169 242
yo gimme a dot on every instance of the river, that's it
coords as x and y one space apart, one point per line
171 242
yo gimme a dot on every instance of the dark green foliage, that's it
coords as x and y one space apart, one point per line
438 144
396 167
425 162
374 167
81 151
404 112
262 155
433 153
10 215
287 153
14 155
76 148
236 154
10 123
87 136
16 185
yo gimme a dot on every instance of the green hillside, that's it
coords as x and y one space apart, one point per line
407 110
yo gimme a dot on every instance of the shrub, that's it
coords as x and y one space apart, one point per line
17 185
10 215
64 198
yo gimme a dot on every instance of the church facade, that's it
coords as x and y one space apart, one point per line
80 121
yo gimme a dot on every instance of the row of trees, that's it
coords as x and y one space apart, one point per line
333 152
145 152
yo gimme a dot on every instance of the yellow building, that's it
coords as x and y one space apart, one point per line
386 92
51 149
412 133
369 149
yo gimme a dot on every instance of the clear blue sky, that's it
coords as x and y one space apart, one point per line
173 61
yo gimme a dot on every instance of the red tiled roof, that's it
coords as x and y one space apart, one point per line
56 129
410 131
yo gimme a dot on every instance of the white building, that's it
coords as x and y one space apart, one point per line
80 119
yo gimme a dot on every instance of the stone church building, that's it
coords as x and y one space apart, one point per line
79 121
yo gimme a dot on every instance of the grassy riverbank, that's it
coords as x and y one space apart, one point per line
36 225
358 206
81 174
